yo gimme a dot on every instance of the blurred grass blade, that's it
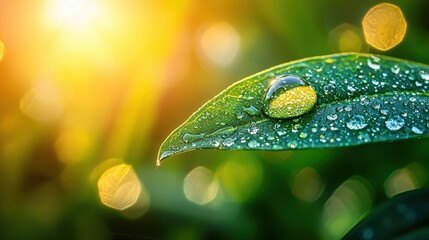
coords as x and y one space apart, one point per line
361 99
406 216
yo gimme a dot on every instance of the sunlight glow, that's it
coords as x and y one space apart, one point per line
44 102
72 13
220 43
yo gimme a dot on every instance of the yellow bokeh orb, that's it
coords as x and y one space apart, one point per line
384 26
119 187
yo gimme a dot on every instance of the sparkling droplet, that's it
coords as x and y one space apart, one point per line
253 129
395 123
351 88
374 62
332 117
303 135
288 96
228 142
417 130
395 69
424 75
253 144
357 122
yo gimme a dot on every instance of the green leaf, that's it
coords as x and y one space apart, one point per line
361 99
403 217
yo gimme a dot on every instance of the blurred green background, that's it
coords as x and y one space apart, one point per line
88 85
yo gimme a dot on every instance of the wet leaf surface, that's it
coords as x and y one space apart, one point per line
361 99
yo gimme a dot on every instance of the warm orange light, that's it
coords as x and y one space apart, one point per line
72 13
1 50
384 26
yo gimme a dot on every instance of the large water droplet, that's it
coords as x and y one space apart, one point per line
395 123
357 122
288 96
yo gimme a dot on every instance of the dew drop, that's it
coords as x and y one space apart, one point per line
351 88
303 135
253 129
288 96
395 69
395 123
228 142
252 111
357 122
417 130
253 144
189 137
332 117
374 62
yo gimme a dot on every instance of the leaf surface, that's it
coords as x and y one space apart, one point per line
361 98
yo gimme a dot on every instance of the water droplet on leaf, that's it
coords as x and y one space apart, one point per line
417 130
288 96
374 62
253 144
395 123
189 137
303 135
332 117
252 111
357 122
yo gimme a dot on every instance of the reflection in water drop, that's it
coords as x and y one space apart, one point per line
119 187
288 96
395 123
200 186
357 122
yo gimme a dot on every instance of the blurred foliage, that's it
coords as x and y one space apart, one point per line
88 85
